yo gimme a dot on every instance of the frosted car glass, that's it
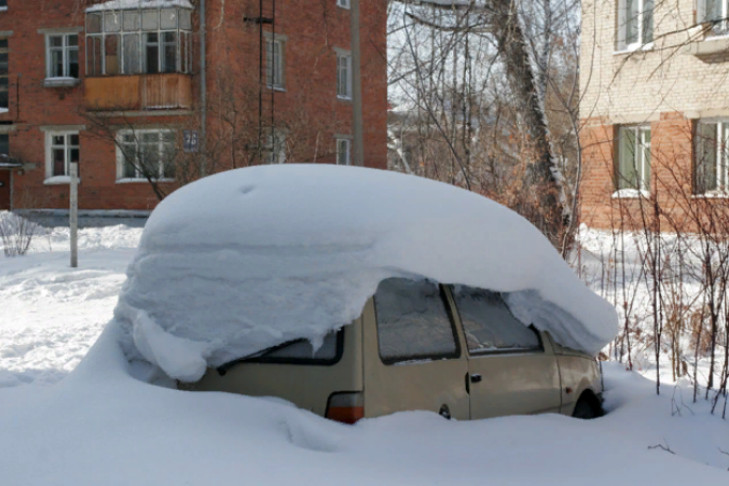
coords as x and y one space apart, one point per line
489 324
412 321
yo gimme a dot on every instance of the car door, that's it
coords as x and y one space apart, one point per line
412 358
510 370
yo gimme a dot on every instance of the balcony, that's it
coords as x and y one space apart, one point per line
169 91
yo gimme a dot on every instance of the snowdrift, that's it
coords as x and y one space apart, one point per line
247 259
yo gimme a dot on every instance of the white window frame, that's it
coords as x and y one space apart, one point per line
719 28
275 61
343 150
641 161
275 150
137 134
721 156
642 16
67 147
344 74
343 4
65 50
183 41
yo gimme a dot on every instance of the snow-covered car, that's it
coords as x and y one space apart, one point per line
355 293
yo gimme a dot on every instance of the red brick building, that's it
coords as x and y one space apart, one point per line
118 87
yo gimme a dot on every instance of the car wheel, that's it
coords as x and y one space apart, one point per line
584 410
445 412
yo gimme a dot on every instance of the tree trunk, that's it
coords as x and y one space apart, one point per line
541 203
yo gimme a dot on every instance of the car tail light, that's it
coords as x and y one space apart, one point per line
345 407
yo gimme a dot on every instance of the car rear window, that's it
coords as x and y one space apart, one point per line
413 322
488 323
299 351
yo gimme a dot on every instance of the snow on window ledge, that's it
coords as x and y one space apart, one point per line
60 82
134 180
132 4
4 110
57 180
630 194
711 195
633 48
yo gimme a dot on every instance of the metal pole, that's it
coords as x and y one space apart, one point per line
73 214
203 92
357 128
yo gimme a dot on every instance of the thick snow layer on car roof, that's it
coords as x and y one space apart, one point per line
246 259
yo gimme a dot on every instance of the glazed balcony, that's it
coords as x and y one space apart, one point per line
166 91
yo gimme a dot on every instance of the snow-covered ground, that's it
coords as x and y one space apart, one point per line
99 426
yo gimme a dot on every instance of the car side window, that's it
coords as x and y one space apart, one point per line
298 351
413 322
302 350
489 325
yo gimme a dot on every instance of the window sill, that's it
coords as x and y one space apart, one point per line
711 195
60 82
631 194
280 89
344 98
4 110
3 9
633 49
708 47
58 180
128 180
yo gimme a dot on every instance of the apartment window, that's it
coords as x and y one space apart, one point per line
715 11
711 165
4 143
153 40
343 3
635 23
344 75
344 151
4 75
145 154
275 149
634 159
62 148
275 62
61 56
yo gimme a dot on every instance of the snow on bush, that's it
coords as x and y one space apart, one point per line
247 259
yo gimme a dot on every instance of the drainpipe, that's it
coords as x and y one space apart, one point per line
357 130
12 189
203 93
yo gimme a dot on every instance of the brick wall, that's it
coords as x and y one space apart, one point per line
308 110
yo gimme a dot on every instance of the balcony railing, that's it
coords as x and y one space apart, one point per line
167 91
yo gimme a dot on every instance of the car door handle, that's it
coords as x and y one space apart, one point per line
475 378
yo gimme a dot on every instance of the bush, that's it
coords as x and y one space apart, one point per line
16 233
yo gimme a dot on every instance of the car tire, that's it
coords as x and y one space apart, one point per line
585 410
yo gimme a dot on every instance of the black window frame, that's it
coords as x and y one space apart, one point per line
457 354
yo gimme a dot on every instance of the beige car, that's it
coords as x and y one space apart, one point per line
417 345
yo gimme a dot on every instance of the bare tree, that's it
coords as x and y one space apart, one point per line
479 80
